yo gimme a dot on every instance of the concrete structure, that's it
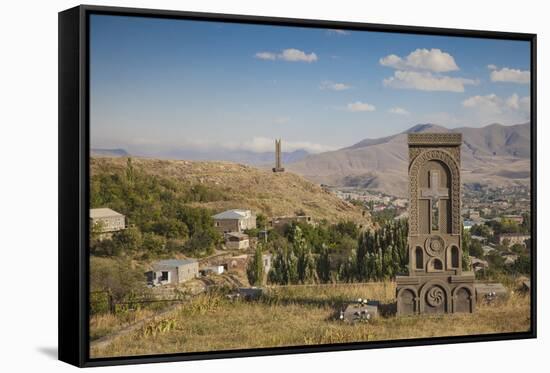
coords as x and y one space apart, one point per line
436 282
237 241
279 222
109 220
278 163
173 271
217 270
236 220
478 264
490 292
359 312
511 239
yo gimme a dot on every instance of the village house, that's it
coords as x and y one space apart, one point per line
235 220
108 220
279 222
237 241
511 239
239 263
478 264
173 271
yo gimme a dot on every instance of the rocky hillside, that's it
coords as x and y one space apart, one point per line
245 187
493 155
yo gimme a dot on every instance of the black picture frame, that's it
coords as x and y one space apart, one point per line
74 154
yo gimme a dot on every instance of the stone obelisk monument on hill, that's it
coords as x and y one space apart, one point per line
436 282
278 164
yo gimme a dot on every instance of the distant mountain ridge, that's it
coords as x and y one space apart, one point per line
238 156
109 153
492 155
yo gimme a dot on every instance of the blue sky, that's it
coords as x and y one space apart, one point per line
160 84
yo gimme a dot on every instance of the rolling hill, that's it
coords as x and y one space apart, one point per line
245 187
492 155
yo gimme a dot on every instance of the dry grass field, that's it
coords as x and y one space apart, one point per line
301 315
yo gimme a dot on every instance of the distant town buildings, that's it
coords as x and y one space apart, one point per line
107 220
511 239
236 220
515 218
173 271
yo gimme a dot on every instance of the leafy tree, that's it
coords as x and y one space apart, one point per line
255 268
518 248
475 249
284 270
481 230
261 221
323 265
154 243
522 264
128 239
117 277
466 243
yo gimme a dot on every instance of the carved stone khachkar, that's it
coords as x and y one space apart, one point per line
436 282
278 164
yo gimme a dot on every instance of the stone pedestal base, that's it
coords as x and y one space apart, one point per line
442 293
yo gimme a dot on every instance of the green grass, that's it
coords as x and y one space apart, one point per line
303 315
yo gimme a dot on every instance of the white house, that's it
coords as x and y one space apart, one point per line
109 220
173 271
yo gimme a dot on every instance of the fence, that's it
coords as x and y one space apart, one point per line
104 302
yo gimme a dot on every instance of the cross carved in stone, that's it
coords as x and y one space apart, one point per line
434 193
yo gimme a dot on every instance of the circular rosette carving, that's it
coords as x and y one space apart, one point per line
435 245
435 296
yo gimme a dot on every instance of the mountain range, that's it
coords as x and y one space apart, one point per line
494 155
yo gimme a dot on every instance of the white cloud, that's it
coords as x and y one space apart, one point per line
398 110
493 104
422 59
360 106
515 102
426 81
337 32
489 102
297 55
492 67
290 55
510 75
266 56
327 84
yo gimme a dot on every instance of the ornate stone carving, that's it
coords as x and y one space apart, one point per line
436 282
439 139
435 296
416 165
435 245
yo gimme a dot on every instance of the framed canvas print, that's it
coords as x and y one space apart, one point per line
234 186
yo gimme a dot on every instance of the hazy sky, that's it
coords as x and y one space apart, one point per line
162 84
